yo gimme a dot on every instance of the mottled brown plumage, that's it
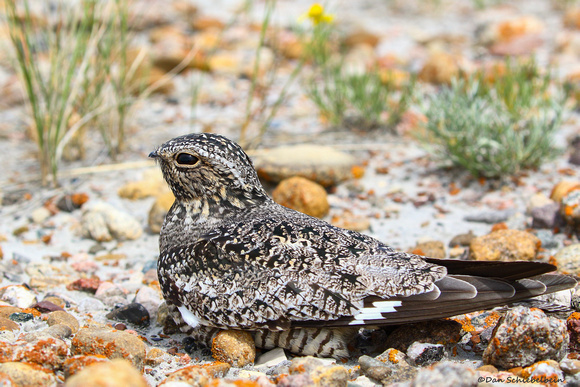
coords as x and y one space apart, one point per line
232 258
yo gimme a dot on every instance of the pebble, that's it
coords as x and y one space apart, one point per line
374 369
423 354
102 373
321 164
439 331
539 199
18 295
570 366
563 188
573 325
48 352
150 299
547 216
547 238
431 249
22 374
89 304
462 239
446 374
570 207
543 370
309 371
490 217
234 347
39 215
110 343
198 375
103 222
150 186
6 311
271 358
567 259
505 245
133 313
21 317
8 325
58 331
45 306
62 317
74 364
302 195
524 336
439 68
158 211
89 285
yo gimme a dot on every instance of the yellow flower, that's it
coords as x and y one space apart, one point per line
316 14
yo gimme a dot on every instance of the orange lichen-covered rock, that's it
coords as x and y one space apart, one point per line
505 245
525 336
110 343
119 371
234 347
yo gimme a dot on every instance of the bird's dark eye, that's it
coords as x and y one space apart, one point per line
186 159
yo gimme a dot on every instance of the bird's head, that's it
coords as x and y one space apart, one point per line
209 167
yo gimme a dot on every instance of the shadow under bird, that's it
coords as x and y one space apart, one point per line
232 258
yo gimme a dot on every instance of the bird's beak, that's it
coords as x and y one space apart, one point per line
154 154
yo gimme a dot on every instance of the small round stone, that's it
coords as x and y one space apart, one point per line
302 195
234 347
118 371
62 317
133 313
8 325
21 317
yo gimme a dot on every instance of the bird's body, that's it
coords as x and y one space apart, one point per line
232 258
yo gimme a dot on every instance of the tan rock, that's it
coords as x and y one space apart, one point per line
505 245
26 375
49 353
198 375
361 36
234 347
572 18
120 372
62 317
562 189
8 325
241 62
173 47
158 211
567 259
431 249
321 164
302 195
440 68
207 22
75 364
141 189
110 343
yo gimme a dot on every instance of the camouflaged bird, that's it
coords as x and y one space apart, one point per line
232 258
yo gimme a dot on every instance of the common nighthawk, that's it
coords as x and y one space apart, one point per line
232 258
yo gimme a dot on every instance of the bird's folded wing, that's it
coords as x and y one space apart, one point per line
453 295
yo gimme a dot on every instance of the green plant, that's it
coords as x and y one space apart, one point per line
496 127
70 68
360 98
365 99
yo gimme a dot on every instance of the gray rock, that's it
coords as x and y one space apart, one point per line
423 354
446 374
271 358
133 313
567 259
547 216
321 164
524 336
490 217
570 366
374 369
89 304
103 222
548 239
